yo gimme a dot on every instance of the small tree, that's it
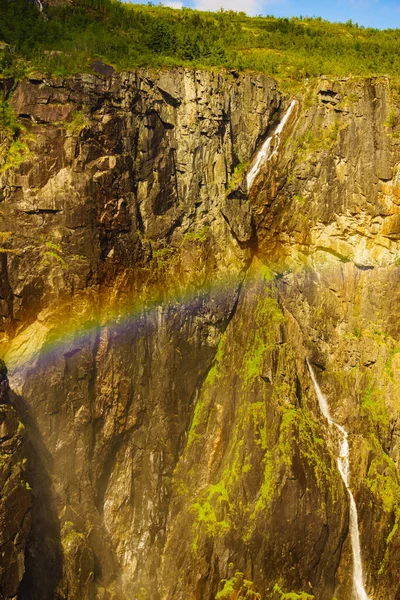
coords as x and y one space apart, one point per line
162 38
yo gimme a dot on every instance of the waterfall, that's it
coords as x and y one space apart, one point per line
270 147
344 470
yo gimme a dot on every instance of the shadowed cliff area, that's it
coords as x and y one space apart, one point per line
43 556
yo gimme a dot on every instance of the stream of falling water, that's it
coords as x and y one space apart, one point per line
343 464
269 147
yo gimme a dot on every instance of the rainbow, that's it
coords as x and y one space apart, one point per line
77 322
63 329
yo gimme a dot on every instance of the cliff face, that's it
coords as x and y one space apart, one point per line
156 319
15 502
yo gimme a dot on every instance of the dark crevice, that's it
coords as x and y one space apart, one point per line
238 194
329 93
177 223
364 267
139 219
43 211
250 243
102 482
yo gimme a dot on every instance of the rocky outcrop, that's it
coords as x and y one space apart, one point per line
156 316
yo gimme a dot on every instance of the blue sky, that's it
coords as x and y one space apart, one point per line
370 13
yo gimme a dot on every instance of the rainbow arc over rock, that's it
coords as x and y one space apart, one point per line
69 326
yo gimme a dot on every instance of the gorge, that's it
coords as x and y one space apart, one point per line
192 263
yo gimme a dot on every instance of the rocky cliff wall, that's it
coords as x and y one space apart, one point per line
156 318
15 502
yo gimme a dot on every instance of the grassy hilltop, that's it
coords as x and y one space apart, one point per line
66 39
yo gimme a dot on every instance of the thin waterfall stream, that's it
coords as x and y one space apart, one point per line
344 469
270 147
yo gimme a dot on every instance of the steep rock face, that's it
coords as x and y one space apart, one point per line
156 319
256 490
15 502
326 220
121 207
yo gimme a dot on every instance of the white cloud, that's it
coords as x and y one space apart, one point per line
173 4
251 7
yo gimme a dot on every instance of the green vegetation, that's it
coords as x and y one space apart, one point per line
296 424
301 424
291 595
78 122
392 119
373 403
348 101
15 155
53 252
12 147
164 257
201 404
9 124
268 429
267 311
68 38
268 487
382 479
237 176
317 141
237 588
200 235
207 511
378 402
